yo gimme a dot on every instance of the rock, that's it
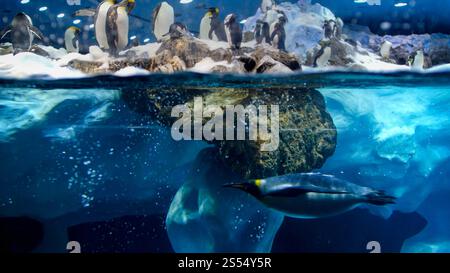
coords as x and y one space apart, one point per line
285 58
307 133
191 51
206 217
269 65
6 48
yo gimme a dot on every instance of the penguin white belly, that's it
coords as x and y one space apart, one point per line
419 61
205 26
68 38
276 41
272 28
122 29
313 205
228 33
100 26
385 50
323 60
164 19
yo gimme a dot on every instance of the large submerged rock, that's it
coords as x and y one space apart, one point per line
307 135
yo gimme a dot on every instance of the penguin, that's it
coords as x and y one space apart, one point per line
417 60
322 56
72 39
267 5
278 36
312 195
100 15
163 18
385 50
329 28
178 30
262 32
22 33
233 32
339 28
117 26
217 28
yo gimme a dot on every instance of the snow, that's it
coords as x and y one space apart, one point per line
131 71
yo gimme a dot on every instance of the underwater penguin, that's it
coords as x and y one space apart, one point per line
233 31
278 36
385 50
100 17
22 33
163 18
72 40
322 56
117 26
417 60
312 195
262 32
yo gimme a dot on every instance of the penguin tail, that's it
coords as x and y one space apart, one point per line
379 198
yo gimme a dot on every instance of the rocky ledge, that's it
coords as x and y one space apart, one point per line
184 53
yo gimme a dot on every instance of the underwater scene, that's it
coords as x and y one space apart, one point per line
202 126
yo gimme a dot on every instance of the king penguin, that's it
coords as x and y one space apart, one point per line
100 15
163 18
417 60
72 39
311 195
233 32
117 26
22 33
211 28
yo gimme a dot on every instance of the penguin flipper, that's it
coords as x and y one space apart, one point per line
36 32
294 191
85 13
5 32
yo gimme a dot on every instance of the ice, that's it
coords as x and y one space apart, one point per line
391 138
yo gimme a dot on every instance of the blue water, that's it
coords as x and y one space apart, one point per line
73 152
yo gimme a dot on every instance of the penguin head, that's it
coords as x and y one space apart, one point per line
213 12
131 4
75 30
252 187
20 19
230 19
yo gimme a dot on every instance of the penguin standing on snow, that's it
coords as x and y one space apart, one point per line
233 32
22 33
117 26
322 56
72 40
217 28
311 195
278 37
163 18
100 15
262 32
417 60
385 50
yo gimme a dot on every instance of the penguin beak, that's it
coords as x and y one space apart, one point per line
240 186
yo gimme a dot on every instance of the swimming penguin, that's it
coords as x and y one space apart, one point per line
417 60
72 39
233 31
117 26
312 195
211 27
22 33
163 18
262 32
100 17
322 56
385 50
